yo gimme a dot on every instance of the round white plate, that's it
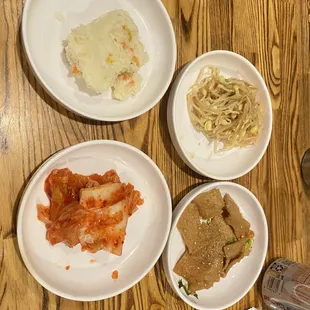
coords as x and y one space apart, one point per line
193 147
47 23
243 275
147 229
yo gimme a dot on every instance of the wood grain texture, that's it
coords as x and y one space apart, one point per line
273 34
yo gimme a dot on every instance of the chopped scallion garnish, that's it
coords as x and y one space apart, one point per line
187 291
249 243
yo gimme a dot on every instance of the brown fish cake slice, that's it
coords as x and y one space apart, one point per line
224 233
186 267
217 230
210 260
202 264
191 265
234 218
210 204
198 271
233 250
205 280
189 226
209 256
230 264
234 253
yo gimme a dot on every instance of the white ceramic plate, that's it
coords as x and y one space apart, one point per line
243 275
147 229
193 147
47 23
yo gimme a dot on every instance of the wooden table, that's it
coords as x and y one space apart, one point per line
273 35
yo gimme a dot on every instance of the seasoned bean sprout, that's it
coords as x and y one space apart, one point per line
224 109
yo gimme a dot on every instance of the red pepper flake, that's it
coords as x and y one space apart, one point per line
251 234
92 260
115 274
67 267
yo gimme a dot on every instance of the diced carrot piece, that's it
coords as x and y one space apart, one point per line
67 267
75 70
135 60
132 83
128 32
115 274
125 76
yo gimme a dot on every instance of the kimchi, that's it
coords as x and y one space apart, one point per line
92 211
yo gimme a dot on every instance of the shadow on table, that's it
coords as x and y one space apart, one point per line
171 151
160 274
178 197
44 95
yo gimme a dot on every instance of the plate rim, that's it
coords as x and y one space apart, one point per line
178 211
172 110
146 108
27 191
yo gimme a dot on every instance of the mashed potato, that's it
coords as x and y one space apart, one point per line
108 53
